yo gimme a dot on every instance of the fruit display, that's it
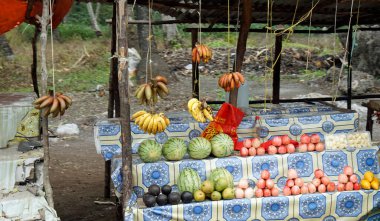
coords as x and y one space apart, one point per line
293 184
54 104
265 186
201 53
230 81
214 190
200 110
150 122
222 145
321 183
359 139
150 151
251 147
311 143
243 190
369 181
160 196
336 141
221 177
199 148
188 180
148 93
174 149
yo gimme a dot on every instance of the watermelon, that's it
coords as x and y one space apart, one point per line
199 148
189 180
174 149
222 145
222 173
150 151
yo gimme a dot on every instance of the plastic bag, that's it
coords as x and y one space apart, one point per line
226 121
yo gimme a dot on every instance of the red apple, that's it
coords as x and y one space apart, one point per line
272 150
322 188
341 187
252 151
282 149
259 193
356 186
319 147
269 184
298 182
302 148
267 192
265 174
247 143
287 191
285 140
296 190
331 187
316 182
312 188
304 189
255 142
342 178
260 151
348 170
305 139
275 192
325 180
349 186
290 148
277 141
261 184
318 173
315 138
310 147
243 152
289 183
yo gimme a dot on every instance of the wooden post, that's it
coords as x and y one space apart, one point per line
242 44
195 66
349 74
369 125
276 70
34 63
122 16
44 21
113 87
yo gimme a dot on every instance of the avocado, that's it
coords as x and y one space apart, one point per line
167 189
187 197
174 198
154 190
149 200
162 199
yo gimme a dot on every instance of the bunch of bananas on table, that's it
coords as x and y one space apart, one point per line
151 123
230 81
148 93
201 52
54 104
200 110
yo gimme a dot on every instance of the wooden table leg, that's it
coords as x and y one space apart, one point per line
107 179
369 125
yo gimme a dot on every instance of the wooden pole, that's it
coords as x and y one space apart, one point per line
242 44
276 70
34 63
44 21
122 16
349 74
195 66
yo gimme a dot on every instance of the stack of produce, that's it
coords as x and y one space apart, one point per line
251 147
311 143
201 52
151 123
321 183
200 110
359 139
243 190
265 186
336 141
219 186
369 181
281 145
294 185
348 181
163 196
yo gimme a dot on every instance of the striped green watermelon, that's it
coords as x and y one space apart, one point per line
189 180
222 145
150 151
222 173
174 149
199 148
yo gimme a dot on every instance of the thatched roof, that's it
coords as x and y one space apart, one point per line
215 11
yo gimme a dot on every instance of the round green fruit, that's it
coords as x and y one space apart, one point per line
207 186
199 196
216 196
228 193
221 184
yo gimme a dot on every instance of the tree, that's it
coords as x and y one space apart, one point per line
93 18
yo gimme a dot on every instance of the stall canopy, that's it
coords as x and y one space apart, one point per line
15 12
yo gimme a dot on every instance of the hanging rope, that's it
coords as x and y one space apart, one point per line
228 37
52 42
200 21
334 45
148 64
308 37
236 31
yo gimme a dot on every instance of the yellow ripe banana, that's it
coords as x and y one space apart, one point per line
155 124
190 103
146 122
140 91
163 87
47 102
148 92
41 99
207 114
150 125
67 99
167 121
140 120
154 95
200 117
162 124
54 105
62 104
138 114
194 107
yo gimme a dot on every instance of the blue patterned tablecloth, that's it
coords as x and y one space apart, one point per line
291 119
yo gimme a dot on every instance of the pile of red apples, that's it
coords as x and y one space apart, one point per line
348 181
265 186
310 143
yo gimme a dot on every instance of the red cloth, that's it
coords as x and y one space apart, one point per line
226 121
269 142
13 12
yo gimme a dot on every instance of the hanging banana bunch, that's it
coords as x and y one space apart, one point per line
200 110
201 52
148 93
150 122
230 81
54 104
